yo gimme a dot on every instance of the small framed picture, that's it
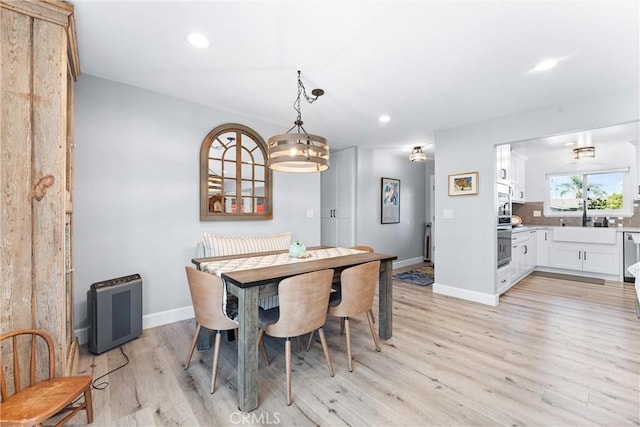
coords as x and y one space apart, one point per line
390 198
462 184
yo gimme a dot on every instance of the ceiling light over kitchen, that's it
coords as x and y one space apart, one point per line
384 118
584 152
417 155
545 65
299 151
198 40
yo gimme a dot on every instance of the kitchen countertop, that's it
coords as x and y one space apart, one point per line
524 228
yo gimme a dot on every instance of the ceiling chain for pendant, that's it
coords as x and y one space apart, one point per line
300 151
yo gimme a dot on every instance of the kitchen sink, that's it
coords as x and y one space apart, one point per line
585 234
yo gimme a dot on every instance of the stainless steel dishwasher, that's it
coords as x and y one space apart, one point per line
629 253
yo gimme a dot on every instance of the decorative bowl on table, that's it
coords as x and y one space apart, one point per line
296 249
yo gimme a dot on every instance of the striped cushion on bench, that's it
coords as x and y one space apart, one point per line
228 245
213 245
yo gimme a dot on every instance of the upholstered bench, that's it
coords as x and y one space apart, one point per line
213 245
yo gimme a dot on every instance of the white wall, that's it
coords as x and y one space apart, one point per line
465 255
405 239
136 192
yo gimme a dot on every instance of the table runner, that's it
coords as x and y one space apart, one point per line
250 262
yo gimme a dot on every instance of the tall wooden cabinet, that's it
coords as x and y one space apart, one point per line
38 66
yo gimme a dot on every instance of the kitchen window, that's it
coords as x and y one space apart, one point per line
605 193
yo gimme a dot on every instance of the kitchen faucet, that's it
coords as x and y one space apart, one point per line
584 213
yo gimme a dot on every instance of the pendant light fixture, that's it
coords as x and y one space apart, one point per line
299 151
584 152
417 155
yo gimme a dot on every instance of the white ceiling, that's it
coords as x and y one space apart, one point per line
428 64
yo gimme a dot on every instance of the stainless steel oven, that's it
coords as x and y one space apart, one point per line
504 246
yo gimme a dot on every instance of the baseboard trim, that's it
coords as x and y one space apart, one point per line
407 262
148 321
479 297
573 277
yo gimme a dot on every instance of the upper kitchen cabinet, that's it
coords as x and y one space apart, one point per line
38 63
503 163
517 178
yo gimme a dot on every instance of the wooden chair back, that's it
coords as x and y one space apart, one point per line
21 340
358 288
34 396
363 248
303 304
207 294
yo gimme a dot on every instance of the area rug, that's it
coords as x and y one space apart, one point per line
422 276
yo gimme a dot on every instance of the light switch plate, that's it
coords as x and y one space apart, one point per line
447 214
537 213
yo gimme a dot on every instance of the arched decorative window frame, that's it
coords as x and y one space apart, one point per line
205 148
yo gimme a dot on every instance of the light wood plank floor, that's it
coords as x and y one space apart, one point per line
553 353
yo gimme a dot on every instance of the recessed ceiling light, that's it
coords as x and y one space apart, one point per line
198 40
384 118
569 144
545 65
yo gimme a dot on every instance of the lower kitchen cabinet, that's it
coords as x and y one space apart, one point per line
594 258
523 254
543 239
503 279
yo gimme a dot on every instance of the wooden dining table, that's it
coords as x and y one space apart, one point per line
252 284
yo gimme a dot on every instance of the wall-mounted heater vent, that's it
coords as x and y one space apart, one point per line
114 310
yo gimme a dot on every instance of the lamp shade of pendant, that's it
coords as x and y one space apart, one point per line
298 152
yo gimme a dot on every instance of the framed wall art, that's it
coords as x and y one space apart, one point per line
390 197
462 184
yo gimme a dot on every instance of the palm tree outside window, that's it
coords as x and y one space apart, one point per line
603 192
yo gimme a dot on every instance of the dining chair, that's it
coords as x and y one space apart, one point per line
336 277
358 288
45 395
303 308
207 291
363 248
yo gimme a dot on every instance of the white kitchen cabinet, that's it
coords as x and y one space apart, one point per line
503 279
531 254
523 254
503 163
517 166
338 200
587 257
543 238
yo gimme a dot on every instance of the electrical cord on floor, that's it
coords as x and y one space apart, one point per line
103 385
